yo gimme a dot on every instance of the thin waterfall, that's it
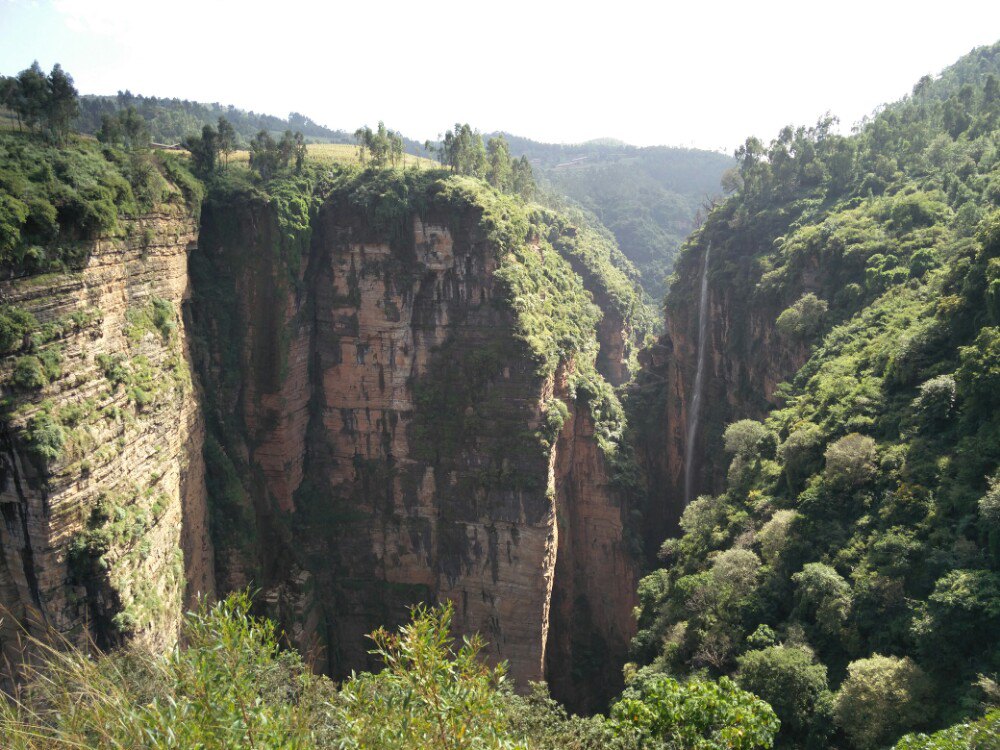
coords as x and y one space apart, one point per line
699 376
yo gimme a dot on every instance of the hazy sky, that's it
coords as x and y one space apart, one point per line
703 74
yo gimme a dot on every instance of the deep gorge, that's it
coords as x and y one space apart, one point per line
377 434
324 394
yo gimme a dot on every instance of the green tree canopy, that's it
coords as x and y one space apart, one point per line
698 714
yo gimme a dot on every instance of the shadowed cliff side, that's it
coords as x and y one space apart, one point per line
745 359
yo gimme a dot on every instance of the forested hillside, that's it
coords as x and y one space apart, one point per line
847 572
650 198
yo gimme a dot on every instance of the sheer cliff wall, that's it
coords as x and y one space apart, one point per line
390 438
104 531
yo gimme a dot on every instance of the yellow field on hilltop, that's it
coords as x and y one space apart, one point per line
338 153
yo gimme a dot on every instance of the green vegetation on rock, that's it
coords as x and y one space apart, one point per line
54 201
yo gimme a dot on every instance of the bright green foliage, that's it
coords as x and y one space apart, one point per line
15 325
32 372
822 599
523 178
546 725
227 139
462 150
774 535
46 437
28 373
696 715
983 734
383 147
962 612
880 696
54 199
748 442
850 461
804 318
229 686
431 693
158 315
746 438
989 504
935 402
500 173
46 103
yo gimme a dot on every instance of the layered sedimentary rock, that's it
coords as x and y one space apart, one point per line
392 427
104 519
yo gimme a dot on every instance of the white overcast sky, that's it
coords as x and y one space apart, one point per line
690 73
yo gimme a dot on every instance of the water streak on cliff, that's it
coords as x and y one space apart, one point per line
692 426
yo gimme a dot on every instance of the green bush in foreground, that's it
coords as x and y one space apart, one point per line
429 694
983 734
231 685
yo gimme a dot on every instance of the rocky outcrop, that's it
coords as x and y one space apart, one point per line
391 421
594 591
104 533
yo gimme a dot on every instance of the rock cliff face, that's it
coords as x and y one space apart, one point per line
374 412
594 590
102 489
393 438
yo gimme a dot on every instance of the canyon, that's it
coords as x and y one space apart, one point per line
345 417
347 412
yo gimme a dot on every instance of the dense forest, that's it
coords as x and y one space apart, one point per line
848 573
